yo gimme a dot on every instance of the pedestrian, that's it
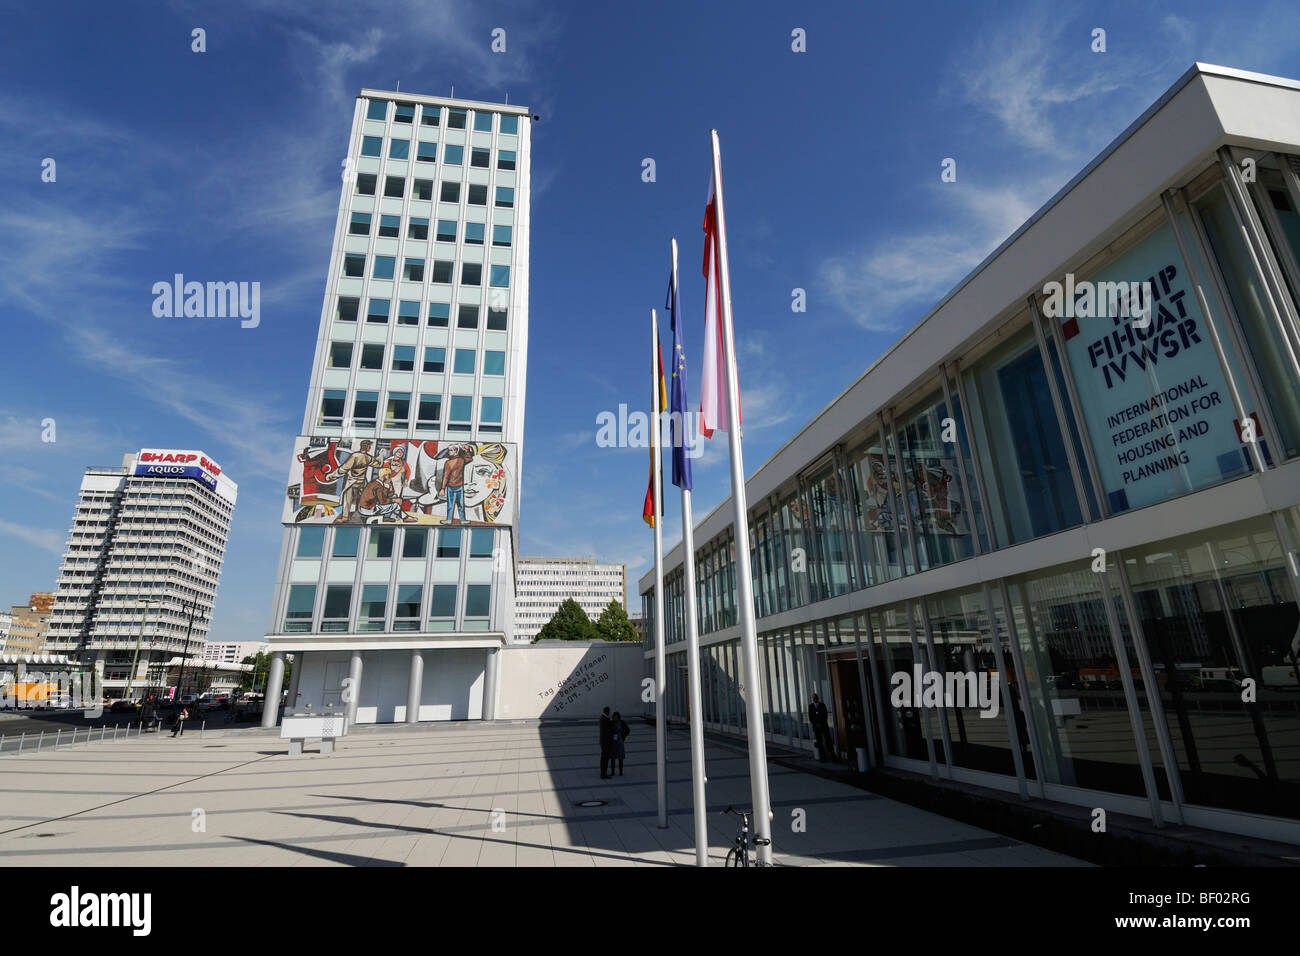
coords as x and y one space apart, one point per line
618 739
821 727
606 742
179 728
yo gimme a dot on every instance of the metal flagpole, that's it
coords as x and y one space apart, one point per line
744 583
698 779
661 732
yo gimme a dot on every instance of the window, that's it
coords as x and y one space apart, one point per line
417 229
422 189
482 122
408 313
338 599
462 409
384 267
405 113
331 407
311 541
480 542
406 612
500 277
453 155
455 119
348 309
446 231
501 235
429 411
478 600
449 542
435 358
442 270
415 542
297 616
471 273
354 266
467 317
390 227
366 184
477 195
377 311
439 312
490 410
509 124
397 413
399 149
380 544
443 602
403 358
360 224
494 363
429 115
377 110
481 158
426 152
374 600
413 270
466 359
365 408
372 145
505 159
372 356
395 187
340 355
496 320
505 197
345 542
474 233
450 192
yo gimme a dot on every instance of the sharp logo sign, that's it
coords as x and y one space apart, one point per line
178 464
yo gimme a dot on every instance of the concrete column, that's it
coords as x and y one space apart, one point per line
291 704
415 687
353 693
271 703
490 684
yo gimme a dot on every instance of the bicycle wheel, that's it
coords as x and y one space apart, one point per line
732 858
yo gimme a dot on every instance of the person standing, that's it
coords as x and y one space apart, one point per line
820 720
606 743
618 740
180 722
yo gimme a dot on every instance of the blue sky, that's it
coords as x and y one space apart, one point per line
225 166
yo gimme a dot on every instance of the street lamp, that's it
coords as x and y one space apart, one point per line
180 677
135 659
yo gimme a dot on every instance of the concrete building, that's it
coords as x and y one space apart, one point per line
1081 497
6 619
232 653
543 584
398 563
29 624
142 563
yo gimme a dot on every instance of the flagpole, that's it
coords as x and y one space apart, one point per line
698 779
661 737
740 516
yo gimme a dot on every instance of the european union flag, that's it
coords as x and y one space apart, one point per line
678 406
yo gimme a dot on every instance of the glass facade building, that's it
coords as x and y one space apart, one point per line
396 574
1077 481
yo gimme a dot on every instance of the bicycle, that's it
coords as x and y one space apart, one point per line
738 855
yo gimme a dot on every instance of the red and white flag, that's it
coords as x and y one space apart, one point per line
713 377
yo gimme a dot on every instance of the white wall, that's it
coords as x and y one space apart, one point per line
570 680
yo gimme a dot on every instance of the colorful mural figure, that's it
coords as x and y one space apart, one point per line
401 481
933 508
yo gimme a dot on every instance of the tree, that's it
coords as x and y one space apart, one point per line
569 623
261 670
614 624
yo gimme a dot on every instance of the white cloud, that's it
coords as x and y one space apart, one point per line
43 538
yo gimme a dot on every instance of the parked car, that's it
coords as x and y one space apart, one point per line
122 707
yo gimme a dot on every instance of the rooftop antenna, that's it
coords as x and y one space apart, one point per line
399 86
507 99
453 92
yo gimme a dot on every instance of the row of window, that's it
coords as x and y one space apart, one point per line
379 311
422 189
465 361
397 411
380 542
471 273
427 152
457 117
372 608
390 227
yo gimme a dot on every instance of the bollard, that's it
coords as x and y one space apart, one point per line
40 740
56 738
202 727
102 730
20 741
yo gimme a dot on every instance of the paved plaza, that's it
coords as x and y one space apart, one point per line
460 794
